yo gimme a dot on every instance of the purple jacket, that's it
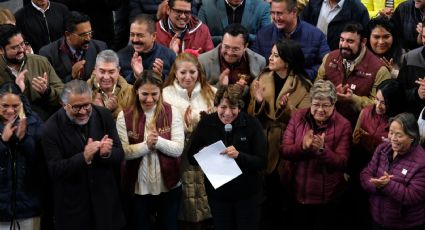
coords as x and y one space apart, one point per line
401 203
319 177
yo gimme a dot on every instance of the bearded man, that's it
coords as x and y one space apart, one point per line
354 70
32 73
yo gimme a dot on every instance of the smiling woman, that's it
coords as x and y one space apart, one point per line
20 160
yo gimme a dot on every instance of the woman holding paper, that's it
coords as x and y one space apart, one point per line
151 133
234 205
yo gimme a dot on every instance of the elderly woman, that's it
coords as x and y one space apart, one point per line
317 142
235 205
151 133
384 43
187 89
110 89
395 178
21 179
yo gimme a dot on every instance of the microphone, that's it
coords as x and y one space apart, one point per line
228 130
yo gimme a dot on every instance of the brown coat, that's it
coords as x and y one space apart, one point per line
123 91
274 118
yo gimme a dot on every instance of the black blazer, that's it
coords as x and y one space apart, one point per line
86 197
62 63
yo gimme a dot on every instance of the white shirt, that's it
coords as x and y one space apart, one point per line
149 180
40 9
327 14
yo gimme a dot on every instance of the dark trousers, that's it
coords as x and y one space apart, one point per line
162 209
236 214
316 217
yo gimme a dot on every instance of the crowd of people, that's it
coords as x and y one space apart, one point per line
104 104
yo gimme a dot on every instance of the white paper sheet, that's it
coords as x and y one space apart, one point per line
218 168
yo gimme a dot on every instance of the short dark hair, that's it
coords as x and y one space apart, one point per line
147 20
74 19
235 29
7 31
354 27
171 2
233 93
290 4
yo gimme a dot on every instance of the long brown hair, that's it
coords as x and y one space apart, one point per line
206 90
148 77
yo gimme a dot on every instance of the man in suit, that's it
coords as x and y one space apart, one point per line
83 154
74 55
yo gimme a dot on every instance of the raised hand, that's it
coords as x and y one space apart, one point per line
90 149
105 147
21 128
283 100
77 69
258 91
158 66
8 131
41 83
224 77
20 80
137 65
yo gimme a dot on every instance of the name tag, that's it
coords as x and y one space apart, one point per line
404 172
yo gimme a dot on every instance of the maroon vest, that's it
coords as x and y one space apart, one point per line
362 77
376 125
170 166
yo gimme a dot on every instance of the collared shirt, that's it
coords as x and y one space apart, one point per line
40 9
174 31
327 14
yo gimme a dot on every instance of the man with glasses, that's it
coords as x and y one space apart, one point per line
33 73
287 24
232 62
144 52
73 56
42 22
355 71
180 30
83 154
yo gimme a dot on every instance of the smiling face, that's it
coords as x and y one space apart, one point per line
380 40
149 95
14 52
321 109
380 107
232 48
79 39
179 14
187 75
107 74
276 63
140 37
283 18
350 45
227 113
79 108
400 141
10 104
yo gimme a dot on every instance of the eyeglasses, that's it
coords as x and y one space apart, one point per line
77 108
324 106
229 48
84 35
19 46
180 12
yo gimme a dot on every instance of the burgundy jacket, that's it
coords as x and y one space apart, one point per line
318 177
401 203
375 125
197 36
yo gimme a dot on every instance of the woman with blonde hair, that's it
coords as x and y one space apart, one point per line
187 89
